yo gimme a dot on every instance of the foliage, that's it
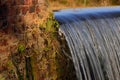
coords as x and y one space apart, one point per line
9 63
21 48
47 49
81 3
51 24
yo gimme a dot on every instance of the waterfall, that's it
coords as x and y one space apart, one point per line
93 37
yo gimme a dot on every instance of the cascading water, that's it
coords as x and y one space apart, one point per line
93 36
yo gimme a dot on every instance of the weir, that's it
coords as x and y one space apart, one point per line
93 37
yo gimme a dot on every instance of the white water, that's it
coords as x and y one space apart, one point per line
93 36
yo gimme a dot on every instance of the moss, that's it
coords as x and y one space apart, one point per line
21 48
9 63
47 49
51 24
46 62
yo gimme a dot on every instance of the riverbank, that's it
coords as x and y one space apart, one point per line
63 4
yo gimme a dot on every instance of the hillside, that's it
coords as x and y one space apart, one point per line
60 4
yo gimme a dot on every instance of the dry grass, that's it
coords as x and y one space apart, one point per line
62 4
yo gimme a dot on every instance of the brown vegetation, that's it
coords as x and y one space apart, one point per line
59 4
29 47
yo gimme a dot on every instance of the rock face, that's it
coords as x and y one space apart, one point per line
19 29
29 45
18 17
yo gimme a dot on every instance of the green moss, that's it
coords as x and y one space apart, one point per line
51 24
21 48
47 49
9 63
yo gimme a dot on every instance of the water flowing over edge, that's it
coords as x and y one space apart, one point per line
93 37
